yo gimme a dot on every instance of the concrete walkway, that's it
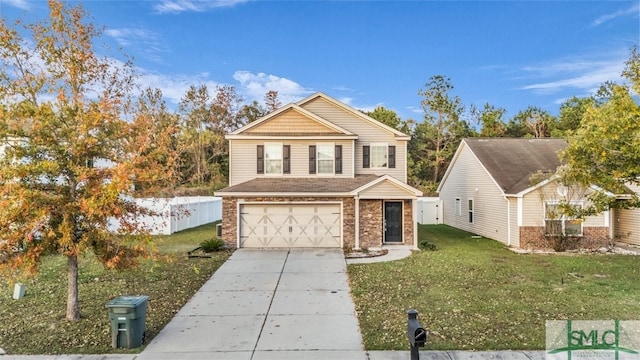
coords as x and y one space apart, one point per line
267 304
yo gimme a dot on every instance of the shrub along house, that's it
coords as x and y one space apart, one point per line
503 189
318 173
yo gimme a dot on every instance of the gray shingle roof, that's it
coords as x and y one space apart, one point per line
285 185
512 162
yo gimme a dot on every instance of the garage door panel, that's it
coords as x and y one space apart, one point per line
291 225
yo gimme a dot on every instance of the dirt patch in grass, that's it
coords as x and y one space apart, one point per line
36 323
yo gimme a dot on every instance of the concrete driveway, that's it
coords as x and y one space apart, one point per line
267 304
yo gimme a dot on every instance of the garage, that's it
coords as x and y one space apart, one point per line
290 225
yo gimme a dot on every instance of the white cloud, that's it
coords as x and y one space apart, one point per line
145 42
342 88
633 10
574 74
178 6
20 4
174 87
255 86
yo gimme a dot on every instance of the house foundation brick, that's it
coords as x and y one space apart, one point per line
533 237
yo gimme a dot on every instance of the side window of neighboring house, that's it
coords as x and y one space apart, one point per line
458 207
379 156
325 158
273 159
470 211
556 223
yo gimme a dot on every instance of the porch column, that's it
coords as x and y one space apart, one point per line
414 215
357 221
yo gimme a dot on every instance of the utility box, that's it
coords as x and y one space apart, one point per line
128 315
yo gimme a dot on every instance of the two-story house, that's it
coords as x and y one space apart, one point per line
318 173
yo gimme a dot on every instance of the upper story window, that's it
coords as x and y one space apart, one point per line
557 223
325 158
273 159
379 156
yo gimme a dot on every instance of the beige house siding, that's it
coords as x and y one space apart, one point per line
468 180
291 121
384 190
368 133
242 159
627 226
533 206
513 238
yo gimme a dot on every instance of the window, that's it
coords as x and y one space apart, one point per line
470 211
378 156
458 207
273 158
325 158
557 223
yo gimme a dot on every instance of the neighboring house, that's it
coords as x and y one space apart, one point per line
318 173
627 222
497 188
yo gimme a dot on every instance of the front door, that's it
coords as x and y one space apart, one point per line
393 222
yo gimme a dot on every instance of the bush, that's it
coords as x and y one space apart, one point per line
428 245
212 245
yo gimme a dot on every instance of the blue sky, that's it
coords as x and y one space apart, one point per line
367 53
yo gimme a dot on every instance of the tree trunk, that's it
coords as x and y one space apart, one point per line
73 309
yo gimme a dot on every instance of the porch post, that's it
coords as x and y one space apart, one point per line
357 221
414 215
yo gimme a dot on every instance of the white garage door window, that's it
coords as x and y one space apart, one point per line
291 225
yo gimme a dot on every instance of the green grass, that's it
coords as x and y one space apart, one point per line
36 323
475 294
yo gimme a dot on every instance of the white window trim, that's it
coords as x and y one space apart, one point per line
386 147
470 210
273 144
563 217
458 206
333 160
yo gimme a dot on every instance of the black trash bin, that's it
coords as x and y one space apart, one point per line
128 315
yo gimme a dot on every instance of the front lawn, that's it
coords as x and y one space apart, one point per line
36 323
475 294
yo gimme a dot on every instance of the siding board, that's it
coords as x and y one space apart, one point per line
242 159
367 134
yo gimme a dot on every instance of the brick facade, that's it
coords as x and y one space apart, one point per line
371 219
533 237
408 224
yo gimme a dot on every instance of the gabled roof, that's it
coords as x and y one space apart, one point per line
321 126
511 162
398 134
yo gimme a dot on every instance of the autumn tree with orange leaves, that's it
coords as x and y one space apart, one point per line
74 149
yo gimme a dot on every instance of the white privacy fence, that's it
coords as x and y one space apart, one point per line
429 210
179 213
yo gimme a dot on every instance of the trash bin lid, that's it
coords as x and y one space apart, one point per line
127 301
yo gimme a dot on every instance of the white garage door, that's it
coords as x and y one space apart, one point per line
291 225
